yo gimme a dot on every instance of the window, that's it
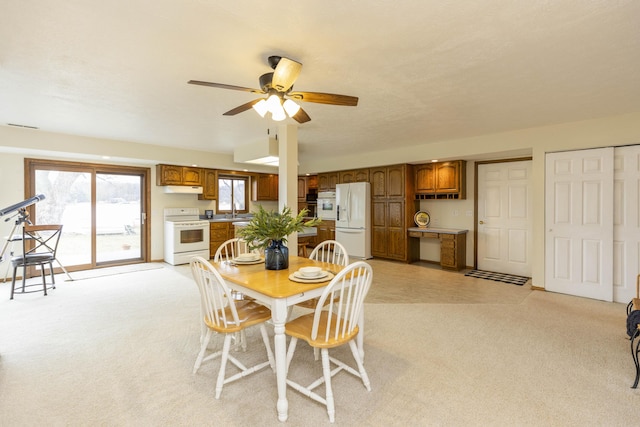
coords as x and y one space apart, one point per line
232 188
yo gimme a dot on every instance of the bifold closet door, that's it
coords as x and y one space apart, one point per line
626 222
579 223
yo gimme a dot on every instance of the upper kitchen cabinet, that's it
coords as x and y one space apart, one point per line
327 181
442 180
312 182
388 182
359 175
178 175
265 187
210 185
302 188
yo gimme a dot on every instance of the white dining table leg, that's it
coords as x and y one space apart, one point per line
279 317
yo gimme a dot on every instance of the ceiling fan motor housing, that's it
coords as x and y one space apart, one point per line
265 81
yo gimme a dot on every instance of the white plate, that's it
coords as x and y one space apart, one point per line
317 276
247 258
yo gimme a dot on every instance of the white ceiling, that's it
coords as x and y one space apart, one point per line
424 70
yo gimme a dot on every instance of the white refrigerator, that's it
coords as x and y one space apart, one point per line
353 218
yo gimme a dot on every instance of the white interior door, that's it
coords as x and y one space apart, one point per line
504 217
579 223
626 222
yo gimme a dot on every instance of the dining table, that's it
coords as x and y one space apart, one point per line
279 290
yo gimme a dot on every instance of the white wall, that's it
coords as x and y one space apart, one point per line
16 143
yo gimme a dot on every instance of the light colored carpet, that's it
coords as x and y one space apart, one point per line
118 351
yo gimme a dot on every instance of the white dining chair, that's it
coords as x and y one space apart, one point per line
231 249
224 315
334 322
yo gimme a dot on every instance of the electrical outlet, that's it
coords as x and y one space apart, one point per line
469 213
456 212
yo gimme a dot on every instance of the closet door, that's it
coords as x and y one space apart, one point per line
579 223
626 222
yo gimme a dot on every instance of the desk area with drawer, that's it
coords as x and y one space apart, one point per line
453 245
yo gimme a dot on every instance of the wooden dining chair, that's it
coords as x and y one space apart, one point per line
331 326
39 247
226 316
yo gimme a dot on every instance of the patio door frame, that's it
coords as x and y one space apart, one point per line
30 167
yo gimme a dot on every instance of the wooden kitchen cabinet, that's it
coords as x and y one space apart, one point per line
219 232
302 189
388 225
425 178
453 246
391 210
326 231
388 181
312 182
441 180
358 175
210 185
327 181
265 187
178 175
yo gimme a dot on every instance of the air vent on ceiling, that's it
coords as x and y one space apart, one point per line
22 126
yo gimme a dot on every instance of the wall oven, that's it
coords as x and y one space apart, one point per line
326 205
185 235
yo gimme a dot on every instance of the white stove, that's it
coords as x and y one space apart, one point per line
185 235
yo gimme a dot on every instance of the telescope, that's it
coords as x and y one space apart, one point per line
22 205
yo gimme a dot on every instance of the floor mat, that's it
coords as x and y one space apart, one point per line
498 277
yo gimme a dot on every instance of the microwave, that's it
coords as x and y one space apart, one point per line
326 207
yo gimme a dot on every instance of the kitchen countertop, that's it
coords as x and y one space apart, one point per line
438 230
237 219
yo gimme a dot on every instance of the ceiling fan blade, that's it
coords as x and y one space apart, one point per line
301 116
285 74
242 108
223 86
325 98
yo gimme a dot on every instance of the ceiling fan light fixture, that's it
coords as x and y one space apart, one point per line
278 114
274 102
261 107
291 107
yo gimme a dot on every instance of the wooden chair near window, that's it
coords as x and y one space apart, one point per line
39 247
333 323
226 316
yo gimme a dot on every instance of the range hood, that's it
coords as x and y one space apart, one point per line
182 189
264 152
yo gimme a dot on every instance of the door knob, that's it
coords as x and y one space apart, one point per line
481 222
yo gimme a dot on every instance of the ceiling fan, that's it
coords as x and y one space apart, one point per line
278 86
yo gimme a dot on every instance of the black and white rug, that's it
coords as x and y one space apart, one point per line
498 277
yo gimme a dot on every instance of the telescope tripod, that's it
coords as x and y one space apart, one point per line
23 217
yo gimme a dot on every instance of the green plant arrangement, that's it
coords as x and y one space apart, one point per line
269 230
267 226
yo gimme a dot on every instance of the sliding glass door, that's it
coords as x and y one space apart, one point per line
102 209
118 217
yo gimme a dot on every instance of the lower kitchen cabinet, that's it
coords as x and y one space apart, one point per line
326 231
453 245
219 232
389 233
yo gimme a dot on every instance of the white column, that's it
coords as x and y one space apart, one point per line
288 175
